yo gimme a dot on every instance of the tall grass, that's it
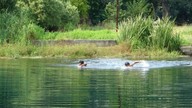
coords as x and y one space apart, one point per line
79 51
10 26
163 36
142 32
16 27
136 31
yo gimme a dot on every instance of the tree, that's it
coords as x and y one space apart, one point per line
128 9
83 8
7 5
181 11
137 7
51 14
97 10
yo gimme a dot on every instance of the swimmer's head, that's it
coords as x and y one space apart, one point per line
127 63
81 62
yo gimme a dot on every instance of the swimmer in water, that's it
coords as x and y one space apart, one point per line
81 64
127 64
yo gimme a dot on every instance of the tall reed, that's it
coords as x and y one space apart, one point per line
163 36
136 31
11 26
16 27
142 32
8 26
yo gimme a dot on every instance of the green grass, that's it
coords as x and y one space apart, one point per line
81 51
87 34
81 34
185 33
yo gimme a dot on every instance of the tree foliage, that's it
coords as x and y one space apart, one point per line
83 8
7 5
137 7
128 9
60 14
97 10
181 10
51 14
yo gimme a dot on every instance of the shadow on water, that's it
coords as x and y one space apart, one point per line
50 83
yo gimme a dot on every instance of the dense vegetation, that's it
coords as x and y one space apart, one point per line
144 24
142 32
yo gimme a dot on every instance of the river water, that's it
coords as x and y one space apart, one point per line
104 83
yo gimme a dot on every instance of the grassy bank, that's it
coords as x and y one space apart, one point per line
184 31
81 51
88 51
142 36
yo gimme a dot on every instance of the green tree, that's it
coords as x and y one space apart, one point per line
128 9
83 8
137 7
181 10
51 14
7 5
97 10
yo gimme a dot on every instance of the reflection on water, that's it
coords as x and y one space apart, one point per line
54 83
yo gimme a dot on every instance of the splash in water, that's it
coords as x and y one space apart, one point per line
119 64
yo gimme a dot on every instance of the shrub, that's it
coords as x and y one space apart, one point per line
32 32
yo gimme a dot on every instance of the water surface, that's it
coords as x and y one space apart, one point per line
57 83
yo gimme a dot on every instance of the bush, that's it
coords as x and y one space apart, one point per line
32 32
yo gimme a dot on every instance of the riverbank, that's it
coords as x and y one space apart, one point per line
81 51
86 50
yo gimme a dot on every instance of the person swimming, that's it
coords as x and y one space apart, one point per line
127 64
81 64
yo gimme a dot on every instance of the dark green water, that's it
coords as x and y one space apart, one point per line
49 83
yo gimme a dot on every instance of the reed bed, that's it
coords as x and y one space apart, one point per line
142 32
